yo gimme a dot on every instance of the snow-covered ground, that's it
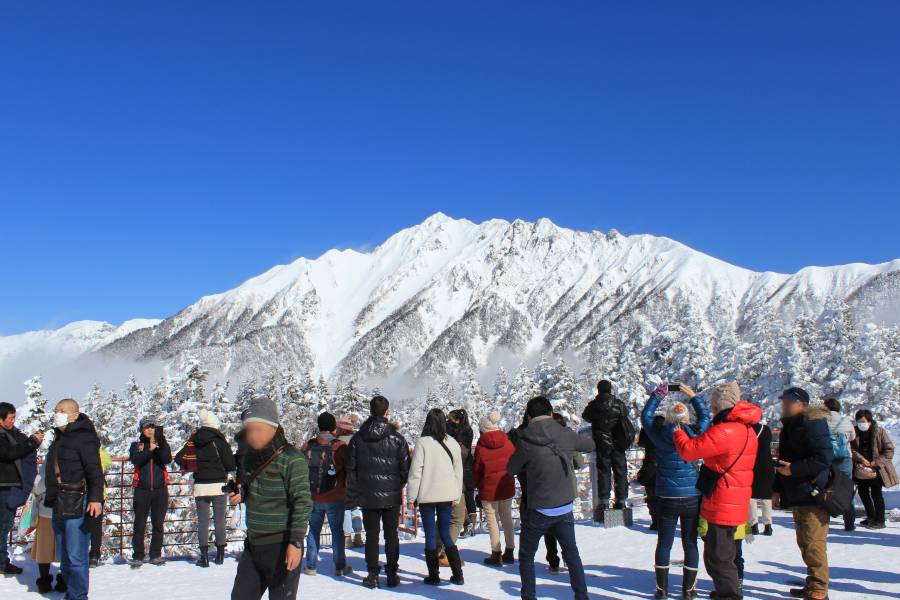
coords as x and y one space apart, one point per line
618 563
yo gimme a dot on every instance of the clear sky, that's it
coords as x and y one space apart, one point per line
151 153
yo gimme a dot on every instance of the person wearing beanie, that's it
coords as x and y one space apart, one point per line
613 434
496 487
728 450
275 491
678 497
149 455
805 455
207 454
327 456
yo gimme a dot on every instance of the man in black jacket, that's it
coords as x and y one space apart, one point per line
73 465
377 470
149 455
14 447
804 459
544 453
604 413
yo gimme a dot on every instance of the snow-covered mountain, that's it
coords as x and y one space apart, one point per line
446 295
67 342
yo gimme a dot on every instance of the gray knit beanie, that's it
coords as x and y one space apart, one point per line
262 410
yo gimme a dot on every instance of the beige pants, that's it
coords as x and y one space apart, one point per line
766 506
811 525
497 513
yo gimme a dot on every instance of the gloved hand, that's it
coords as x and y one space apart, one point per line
661 391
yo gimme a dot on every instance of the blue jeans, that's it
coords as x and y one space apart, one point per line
7 515
334 511
442 512
669 511
73 543
534 527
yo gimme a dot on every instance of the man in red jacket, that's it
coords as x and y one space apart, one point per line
327 456
728 450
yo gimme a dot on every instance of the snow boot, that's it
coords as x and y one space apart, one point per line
371 580
662 582
44 584
203 560
494 560
509 556
767 530
220 554
434 569
755 529
60 586
393 580
456 578
689 584
358 541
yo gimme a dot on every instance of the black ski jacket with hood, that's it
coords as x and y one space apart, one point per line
377 465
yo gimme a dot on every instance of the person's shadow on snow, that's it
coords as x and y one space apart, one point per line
859 580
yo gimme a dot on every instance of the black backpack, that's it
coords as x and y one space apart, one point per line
623 432
322 472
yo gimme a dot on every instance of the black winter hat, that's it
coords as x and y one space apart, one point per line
795 394
326 422
604 387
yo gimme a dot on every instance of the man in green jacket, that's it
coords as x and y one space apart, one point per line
276 493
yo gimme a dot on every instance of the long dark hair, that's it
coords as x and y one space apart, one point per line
435 425
866 414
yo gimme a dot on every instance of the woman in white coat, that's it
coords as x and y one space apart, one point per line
435 485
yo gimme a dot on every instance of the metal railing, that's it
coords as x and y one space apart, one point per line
180 525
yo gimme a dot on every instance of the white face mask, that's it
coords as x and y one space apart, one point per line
863 425
60 419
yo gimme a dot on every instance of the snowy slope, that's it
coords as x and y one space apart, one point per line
447 294
618 564
69 341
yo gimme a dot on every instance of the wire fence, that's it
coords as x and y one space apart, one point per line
180 526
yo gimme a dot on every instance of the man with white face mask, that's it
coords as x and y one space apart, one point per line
74 489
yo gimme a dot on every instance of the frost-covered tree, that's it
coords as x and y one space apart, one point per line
34 412
566 393
474 398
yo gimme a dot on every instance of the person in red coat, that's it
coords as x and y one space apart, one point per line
495 486
728 451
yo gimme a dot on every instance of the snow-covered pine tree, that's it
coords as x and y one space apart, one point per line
523 388
474 398
566 393
34 412
323 395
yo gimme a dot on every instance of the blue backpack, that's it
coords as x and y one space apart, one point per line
840 446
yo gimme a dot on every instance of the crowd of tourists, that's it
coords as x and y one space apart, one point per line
708 470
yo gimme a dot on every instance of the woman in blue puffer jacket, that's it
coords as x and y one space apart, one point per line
675 486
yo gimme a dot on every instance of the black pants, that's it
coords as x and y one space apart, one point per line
471 507
155 504
552 549
96 535
613 461
374 520
262 568
652 499
872 499
719 557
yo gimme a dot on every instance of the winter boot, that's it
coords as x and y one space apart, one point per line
509 556
220 554
689 584
203 560
494 560
44 584
662 582
767 530
371 580
11 569
455 566
434 569
553 564
755 529
61 586
358 540
393 580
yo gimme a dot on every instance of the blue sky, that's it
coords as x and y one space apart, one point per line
151 153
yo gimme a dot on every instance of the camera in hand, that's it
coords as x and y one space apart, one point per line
231 487
674 387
